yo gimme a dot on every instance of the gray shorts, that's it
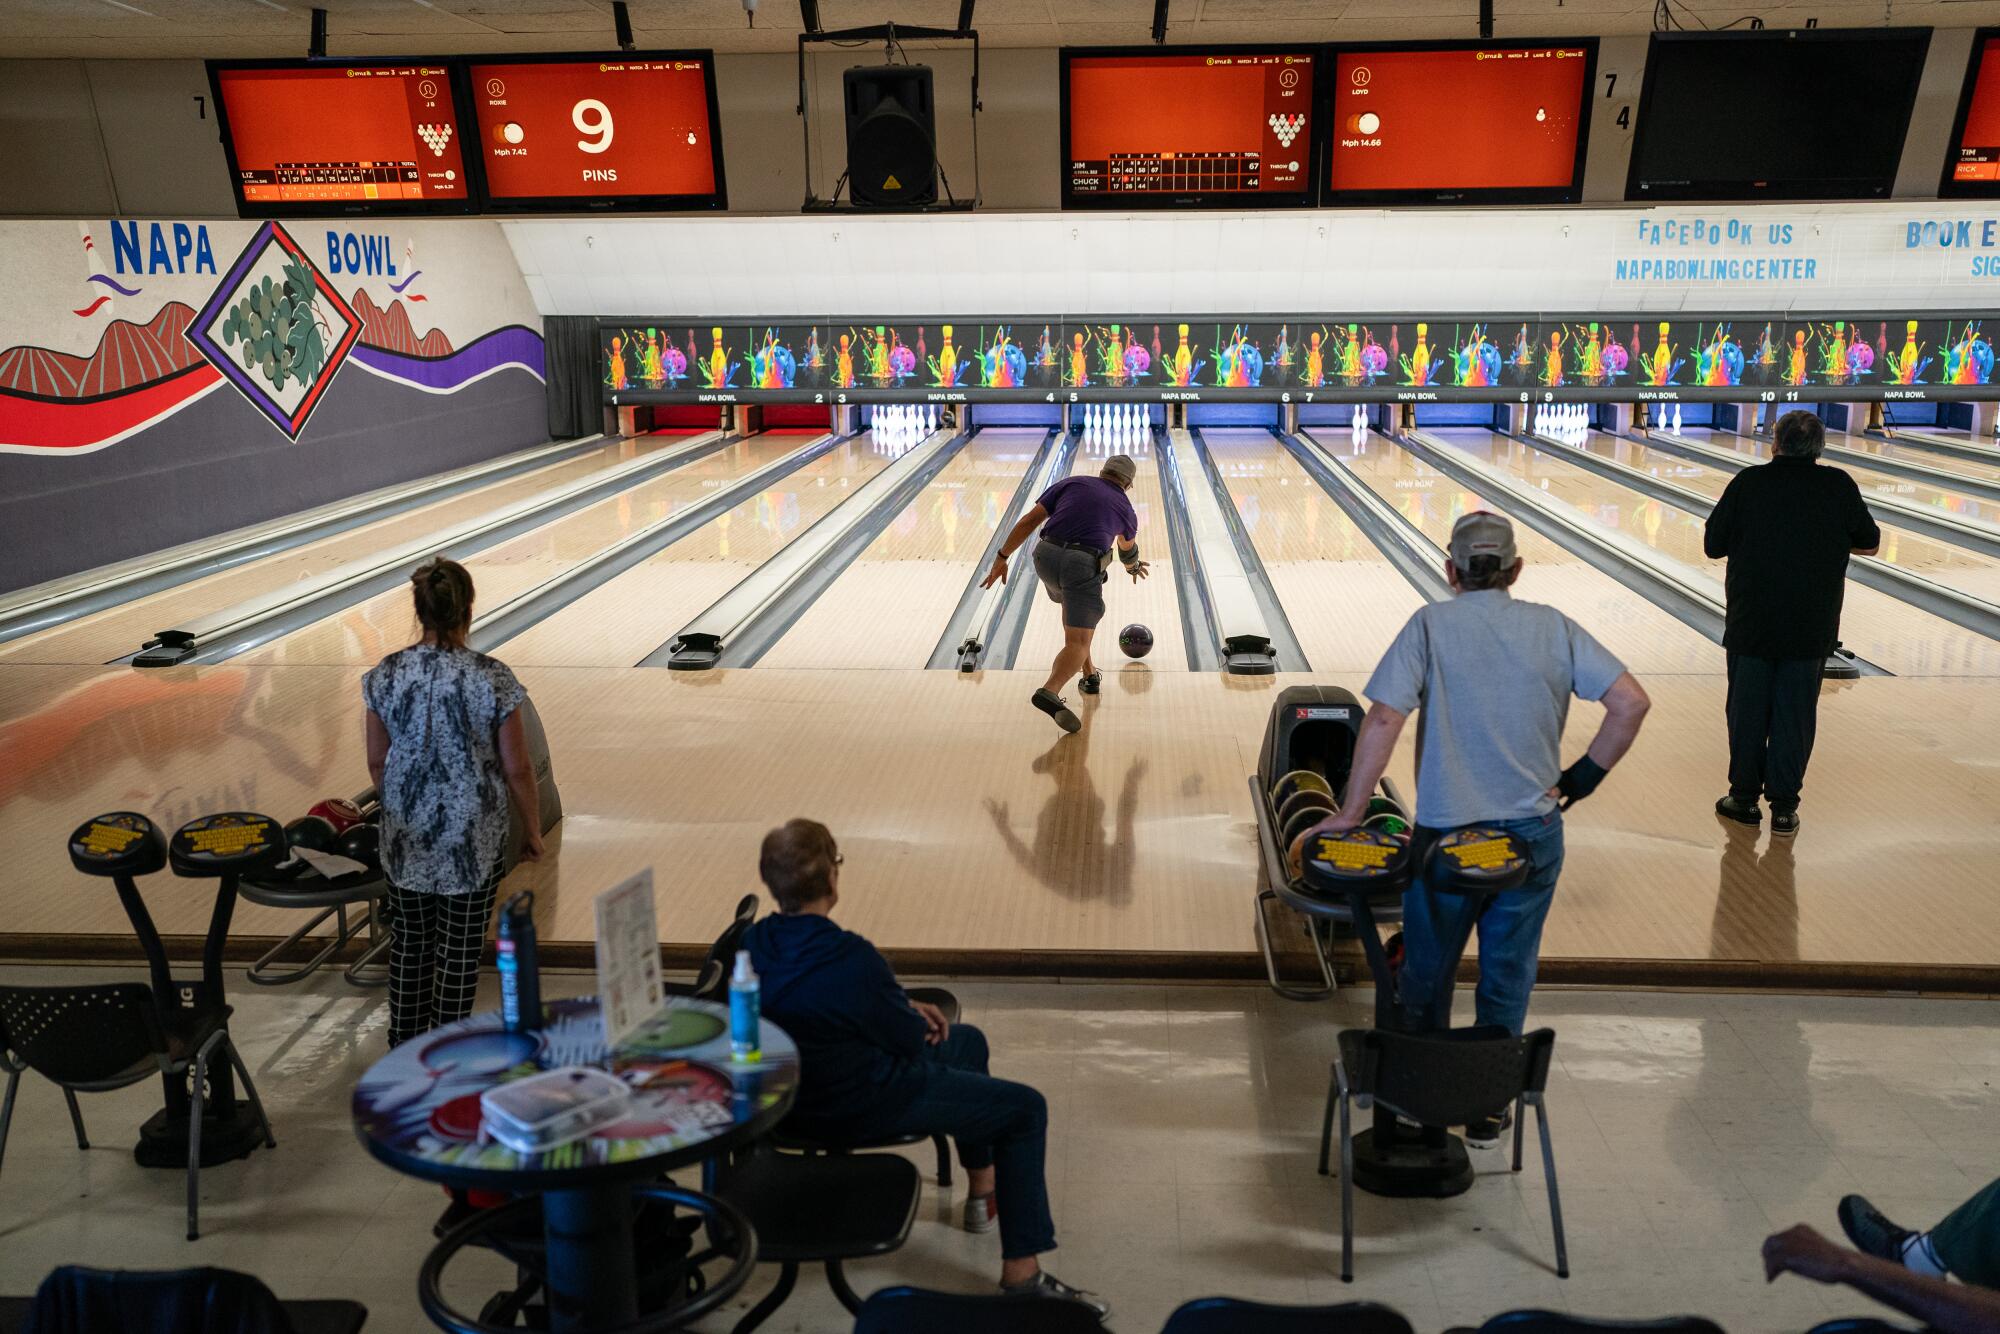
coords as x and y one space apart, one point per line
1075 578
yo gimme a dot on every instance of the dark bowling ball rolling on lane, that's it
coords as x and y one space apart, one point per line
1136 641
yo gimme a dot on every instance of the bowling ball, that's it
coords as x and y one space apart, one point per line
1389 823
311 831
363 843
339 812
1298 780
1383 806
1136 641
1301 821
1304 801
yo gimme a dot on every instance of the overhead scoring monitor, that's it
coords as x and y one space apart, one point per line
1450 122
320 138
1144 127
625 130
1972 165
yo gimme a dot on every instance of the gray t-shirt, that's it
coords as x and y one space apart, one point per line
1493 678
444 790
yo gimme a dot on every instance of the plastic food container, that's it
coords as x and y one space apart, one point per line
536 1114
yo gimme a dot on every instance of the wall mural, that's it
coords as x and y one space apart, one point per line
1302 359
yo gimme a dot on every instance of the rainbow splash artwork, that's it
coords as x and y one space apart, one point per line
718 369
1798 360
1660 366
1968 357
1076 363
1045 353
1122 359
1765 357
1238 362
643 357
945 369
1907 365
1595 357
1720 360
1002 365
1421 366
1552 361
1357 357
1180 366
1521 357
772 365
1475 363
1843 358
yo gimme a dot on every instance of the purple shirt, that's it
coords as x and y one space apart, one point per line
1089 510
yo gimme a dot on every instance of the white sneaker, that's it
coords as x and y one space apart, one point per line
980 1213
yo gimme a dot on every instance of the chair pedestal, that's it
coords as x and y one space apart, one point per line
1410 1163
227 1134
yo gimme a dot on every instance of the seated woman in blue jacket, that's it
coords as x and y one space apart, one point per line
876 1065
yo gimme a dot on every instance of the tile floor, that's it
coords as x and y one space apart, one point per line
1184 1129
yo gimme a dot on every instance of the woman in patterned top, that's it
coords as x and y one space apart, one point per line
447 749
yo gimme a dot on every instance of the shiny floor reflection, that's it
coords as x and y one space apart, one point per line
1181 1157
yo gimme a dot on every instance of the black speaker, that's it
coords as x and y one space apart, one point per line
891 136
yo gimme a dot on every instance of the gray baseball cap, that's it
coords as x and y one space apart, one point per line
1481 533
1121 468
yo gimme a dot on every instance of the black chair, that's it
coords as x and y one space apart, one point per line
98 1038
77 1300
711 980
1555 1322
1447 1078
820 1209
916 1311
1232 1315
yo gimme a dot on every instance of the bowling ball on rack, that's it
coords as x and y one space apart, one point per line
363 844
1383 806
1301 820
1390 823
1136 641
1304 800
339 812
315 832
1298 780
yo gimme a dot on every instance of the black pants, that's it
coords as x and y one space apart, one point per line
1773 708
434 956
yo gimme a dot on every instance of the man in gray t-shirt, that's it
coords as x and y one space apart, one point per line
1490 679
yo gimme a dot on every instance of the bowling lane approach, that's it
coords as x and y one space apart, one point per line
121 629
1891 633
1872 483
1345 602
365 632
888 608
1876 447
1152 601
1646 638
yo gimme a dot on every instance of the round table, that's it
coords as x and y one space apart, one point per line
417 1110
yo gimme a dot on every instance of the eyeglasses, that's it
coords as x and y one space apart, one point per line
839 858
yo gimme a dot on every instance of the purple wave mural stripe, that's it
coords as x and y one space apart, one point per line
512 346
398 288
122 291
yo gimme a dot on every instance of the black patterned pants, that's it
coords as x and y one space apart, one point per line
434 956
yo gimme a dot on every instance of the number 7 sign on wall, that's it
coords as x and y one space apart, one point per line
634 130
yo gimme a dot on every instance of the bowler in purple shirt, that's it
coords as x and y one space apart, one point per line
1083 520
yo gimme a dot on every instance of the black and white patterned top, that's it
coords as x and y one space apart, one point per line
444 792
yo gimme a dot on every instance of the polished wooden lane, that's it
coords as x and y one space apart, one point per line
120 630
1871 481
970 829
1152 602
618 624
889 607
1883 629
1645 638
1982 469
1344 601
364 632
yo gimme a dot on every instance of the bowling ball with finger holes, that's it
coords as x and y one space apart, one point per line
1298 780
1135 640
1388 822
1304 801
362 843
311 831
1383 806
339 812
1301 821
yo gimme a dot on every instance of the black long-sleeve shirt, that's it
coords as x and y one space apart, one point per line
1786 528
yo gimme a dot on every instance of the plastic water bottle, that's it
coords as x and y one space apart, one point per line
520 969
745 1009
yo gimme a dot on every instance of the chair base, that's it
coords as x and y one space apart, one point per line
225 1137
1405 1167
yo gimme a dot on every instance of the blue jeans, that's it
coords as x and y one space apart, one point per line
1510 934
995 1123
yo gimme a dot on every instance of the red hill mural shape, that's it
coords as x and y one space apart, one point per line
130 356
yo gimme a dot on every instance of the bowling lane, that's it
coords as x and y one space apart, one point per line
363 633
1927 458
1953 566
888 608
1152 601
1882 629
1646 638
1345 602
119 630
620 623
1872 483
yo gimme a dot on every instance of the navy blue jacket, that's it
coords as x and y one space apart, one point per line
861 1046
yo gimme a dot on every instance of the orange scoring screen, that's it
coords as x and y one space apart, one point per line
1976 155
1235 123
596 129
340 133
1441 122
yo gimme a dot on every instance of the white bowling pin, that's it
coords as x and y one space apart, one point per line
1677 419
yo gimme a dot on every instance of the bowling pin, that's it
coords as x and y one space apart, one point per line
1677 419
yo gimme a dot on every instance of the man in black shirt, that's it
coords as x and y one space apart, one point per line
1787 528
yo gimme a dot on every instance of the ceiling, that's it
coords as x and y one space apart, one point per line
152 29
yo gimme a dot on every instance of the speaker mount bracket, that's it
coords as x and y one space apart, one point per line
892 35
